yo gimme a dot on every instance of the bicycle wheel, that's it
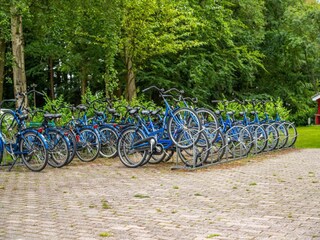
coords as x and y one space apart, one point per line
88 146
130 156
283 135
184 127
259 137
9 127
197 154
208 119
272 137
158 157
1 149
58 148
72 143
292 133
169 154
217 147
109 139
239 141
33 151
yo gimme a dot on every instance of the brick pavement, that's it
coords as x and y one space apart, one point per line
270 197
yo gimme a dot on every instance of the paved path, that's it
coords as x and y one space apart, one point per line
273 196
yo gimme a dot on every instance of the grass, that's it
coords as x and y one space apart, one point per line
141 196
105 234
105 204
213 235
308 137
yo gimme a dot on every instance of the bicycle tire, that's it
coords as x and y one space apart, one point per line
109 139
169 154
33 151
292 134
72 143
88 146
208 118
128 156
184 124
58 148
217 147
201 148
259 136
283 135
239 141
9 127
272 137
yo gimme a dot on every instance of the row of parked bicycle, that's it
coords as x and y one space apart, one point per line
198 136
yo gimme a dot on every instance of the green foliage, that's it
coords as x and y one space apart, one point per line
57 105
211 49
272 107
121 103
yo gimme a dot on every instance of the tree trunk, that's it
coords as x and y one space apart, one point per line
83 86
19 74
84 81
51 78
2 63
130 78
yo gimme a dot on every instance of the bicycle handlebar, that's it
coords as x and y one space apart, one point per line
174 89
238 101
7 100
34 91
193 100
155 87
222 101
170 96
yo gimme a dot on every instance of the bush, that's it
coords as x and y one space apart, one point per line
271 108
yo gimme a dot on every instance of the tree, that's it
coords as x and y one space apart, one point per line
228 58
19 74
4 38
151 28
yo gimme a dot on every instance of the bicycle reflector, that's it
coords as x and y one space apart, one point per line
77 138
40 130
95 126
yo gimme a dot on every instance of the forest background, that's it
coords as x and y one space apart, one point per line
212 49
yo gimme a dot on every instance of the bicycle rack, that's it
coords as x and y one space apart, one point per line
228 156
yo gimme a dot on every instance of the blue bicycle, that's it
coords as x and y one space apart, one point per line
21 142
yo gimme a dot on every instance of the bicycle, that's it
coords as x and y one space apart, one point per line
25 143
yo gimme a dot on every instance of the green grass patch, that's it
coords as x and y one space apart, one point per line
213 235
141 196
308 137
105 234
105 204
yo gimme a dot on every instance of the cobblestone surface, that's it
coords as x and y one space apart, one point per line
273 196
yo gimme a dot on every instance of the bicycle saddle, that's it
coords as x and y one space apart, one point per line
155 112
51 116
231 113
82 107
100 114
22 117
111 110
145 112
218 112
